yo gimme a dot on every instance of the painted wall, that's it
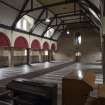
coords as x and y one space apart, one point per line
65 48
19 54
4 57
35 56
12 35
90 47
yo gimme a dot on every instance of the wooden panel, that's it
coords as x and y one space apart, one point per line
65 8
4 61
101 91
46 2
74 92
20 60
45 58
35 59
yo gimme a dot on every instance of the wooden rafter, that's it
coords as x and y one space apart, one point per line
20 13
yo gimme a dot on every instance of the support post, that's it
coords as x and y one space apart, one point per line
28 56
11 58
40 56
103 58
102 35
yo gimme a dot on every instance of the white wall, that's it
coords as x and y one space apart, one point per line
12 35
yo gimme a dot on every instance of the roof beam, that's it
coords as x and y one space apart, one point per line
103 7
70 23
75 7
31 4
48 27
63 31
80 27
12 7
20 13
36 21
93 6
87 13
68 12
25 32
78 18
50 5
56 29
68 15
63 16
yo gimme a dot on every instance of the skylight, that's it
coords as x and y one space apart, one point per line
25 23
50 32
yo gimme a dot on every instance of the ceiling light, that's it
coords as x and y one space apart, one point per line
47 20
68 32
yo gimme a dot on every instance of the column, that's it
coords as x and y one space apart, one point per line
102 34
40 56
11 57
28 56
50 55
103 58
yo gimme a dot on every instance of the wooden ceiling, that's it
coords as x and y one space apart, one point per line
62 13
64 8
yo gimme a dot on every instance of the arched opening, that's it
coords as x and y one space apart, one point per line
45 55
35 44
45 46
20 51
21 42
35 52
4 41
53 49
4 50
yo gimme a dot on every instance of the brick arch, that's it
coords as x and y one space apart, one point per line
53 47
4 41
46 45
35 44
21 42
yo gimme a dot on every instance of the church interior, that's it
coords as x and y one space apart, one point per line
52 52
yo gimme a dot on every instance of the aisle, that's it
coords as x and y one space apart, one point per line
29 71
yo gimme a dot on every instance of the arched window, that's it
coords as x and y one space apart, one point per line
78 38
21 42
4 41
25 23
35 44
53 47
45 46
